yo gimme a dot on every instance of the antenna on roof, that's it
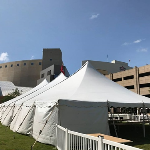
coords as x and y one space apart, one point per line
107 57
129 62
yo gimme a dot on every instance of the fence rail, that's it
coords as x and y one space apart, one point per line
70 140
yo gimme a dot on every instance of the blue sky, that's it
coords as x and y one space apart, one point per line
82 29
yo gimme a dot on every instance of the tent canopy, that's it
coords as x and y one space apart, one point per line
80 103
89 85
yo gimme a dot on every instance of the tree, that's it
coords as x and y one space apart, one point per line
11 95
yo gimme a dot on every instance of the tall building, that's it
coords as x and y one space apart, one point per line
51 65
25 73
21 73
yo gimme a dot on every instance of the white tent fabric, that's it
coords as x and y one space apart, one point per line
7 87
43 83
78 103
22 108
90 86
6 108
86 92
15 104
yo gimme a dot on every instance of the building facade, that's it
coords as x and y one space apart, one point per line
22 73
136 79
28 73
51 65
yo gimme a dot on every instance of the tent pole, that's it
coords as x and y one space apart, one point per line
112 118
148 118
143 120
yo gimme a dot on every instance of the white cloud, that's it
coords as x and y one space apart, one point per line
32 57
134 42
138 41
4 57
94 16
142 50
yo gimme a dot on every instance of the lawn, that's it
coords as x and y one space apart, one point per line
134 133
14 141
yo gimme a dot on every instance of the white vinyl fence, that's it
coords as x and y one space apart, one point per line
70 140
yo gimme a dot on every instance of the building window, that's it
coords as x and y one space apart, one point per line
144 85
50 59
0 66
17 64
42 75
144 74
129 77
118 79
24 64
129 87
32 63
5 66
11 65
40 63
49 73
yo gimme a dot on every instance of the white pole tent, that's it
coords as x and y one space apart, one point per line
24 112
14 106
79 103
5 106
7 87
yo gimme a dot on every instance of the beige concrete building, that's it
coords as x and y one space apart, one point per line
21 73
136 79
26 72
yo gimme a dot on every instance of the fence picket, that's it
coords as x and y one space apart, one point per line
70 140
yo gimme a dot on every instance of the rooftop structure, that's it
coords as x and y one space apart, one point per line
107 67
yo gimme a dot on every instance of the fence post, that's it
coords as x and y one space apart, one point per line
100 143
66 139
56 135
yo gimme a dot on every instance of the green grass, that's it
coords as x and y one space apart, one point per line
134 133
14 141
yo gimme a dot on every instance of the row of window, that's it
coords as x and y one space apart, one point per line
124 78
140 86
132 76
23 64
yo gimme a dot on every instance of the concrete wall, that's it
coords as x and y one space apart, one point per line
49 73
21 73
136 79
51 56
